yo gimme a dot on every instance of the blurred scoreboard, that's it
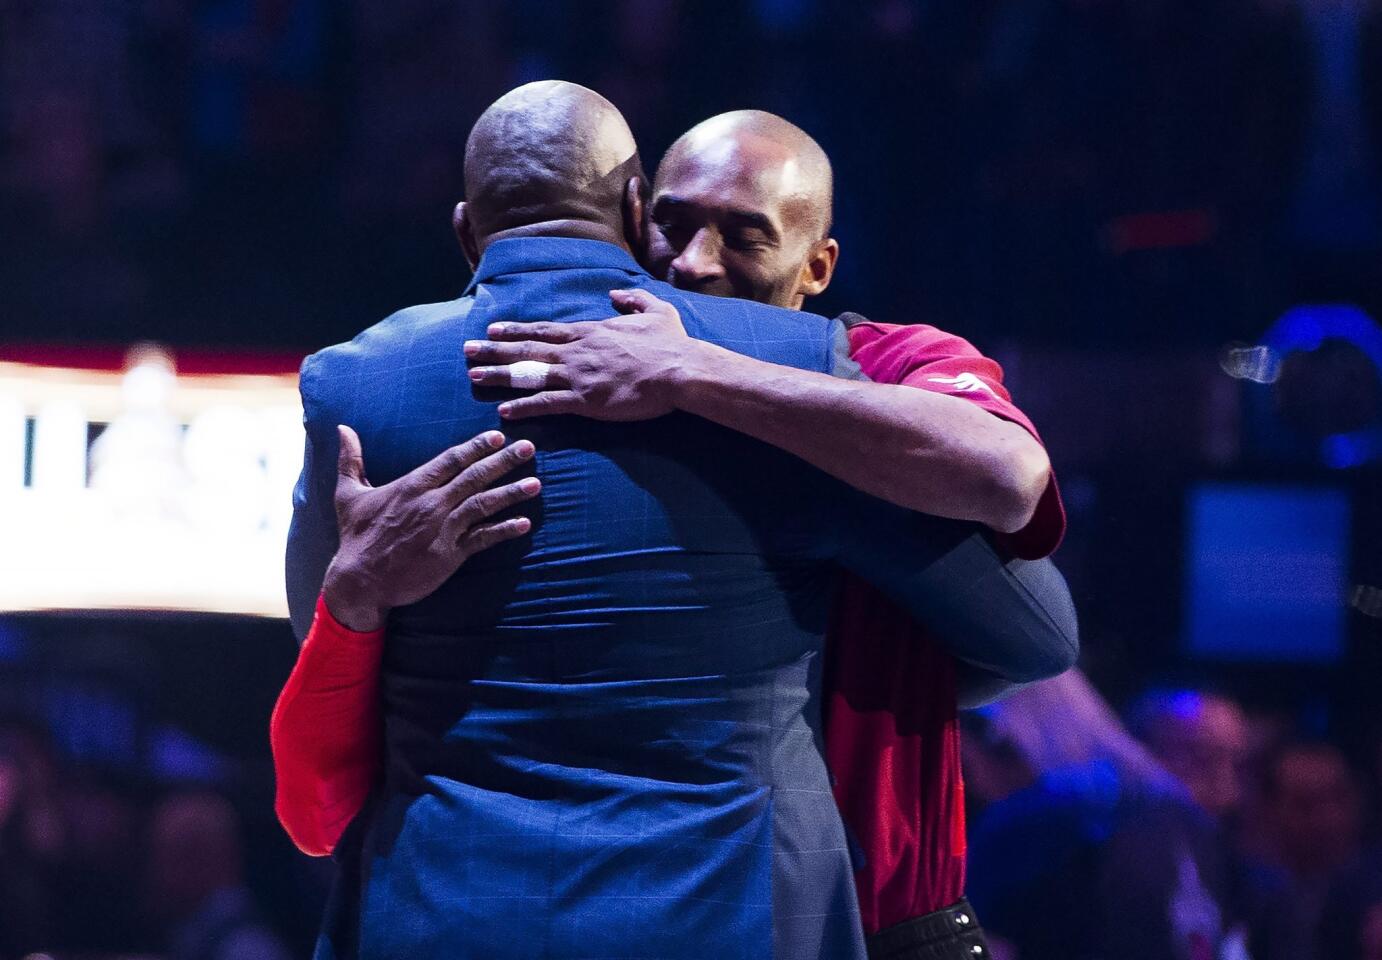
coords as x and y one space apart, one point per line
142 480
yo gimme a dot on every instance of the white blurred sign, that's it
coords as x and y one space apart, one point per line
180 502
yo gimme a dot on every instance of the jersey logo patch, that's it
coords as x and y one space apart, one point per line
964 383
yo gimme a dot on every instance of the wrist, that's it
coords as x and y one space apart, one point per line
350 600
700 368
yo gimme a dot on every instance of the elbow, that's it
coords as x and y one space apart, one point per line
1018 487
1057 651
1051 660
1051 627
302 830
1060 657
297 772
295 811
318 792
311 800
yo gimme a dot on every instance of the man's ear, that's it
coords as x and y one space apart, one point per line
819 267
465 233
635 218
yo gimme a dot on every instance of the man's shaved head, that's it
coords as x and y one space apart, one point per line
742 207
548 151
782 156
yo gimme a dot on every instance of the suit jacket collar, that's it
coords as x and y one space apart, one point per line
532 254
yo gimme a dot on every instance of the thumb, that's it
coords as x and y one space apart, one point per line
638 301
350 462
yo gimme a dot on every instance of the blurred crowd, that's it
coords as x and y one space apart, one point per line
1185 828
94 862
1128 173
1190 828
282 171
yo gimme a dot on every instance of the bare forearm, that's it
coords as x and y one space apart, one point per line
921 450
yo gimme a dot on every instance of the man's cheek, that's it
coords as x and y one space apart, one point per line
758 286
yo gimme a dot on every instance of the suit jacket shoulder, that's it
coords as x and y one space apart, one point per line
792 337
392 340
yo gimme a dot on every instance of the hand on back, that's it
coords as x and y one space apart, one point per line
623 368
401 541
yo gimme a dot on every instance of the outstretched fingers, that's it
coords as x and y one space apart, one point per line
521 376
451 462
486 504
513 351
543 331
546 404
490 534
485 472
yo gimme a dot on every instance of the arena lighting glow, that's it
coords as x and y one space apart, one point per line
144 488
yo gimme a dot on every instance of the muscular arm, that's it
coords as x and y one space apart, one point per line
917 449
925 451
1041 587
945 574
1011 621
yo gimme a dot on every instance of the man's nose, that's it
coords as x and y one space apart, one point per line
699 260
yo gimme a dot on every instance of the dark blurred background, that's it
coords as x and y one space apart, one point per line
1163 216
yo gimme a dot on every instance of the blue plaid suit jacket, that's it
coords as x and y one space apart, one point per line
602 740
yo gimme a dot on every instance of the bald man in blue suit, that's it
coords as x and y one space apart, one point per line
601 740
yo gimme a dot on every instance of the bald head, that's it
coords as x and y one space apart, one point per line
742 207
781 158
548 151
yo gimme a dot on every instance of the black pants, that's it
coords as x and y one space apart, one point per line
948 934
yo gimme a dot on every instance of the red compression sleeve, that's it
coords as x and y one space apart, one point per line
325 733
